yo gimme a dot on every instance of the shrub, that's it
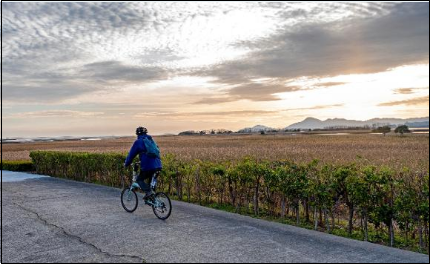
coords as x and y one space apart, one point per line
24 165
381 198
106 169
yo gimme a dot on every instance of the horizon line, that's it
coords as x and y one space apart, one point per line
172 133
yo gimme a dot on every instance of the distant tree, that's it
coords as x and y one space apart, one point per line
384 130
188 133
402 129
223 131
262 132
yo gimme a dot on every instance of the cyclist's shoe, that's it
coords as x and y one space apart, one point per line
135 185
149 198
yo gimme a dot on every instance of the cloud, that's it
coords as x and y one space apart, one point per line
404 91
241 113
55 114
85 44
327 49
30 27
424 100
56 86
408 90
45 91
108 71
317 107
216 100
256 92
260 91
58 51
329 84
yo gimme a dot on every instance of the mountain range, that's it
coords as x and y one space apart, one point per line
314 123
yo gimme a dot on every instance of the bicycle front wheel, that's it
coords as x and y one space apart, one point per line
162 206
129 200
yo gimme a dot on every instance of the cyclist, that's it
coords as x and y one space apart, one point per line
149 156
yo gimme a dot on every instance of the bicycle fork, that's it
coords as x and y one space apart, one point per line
134 185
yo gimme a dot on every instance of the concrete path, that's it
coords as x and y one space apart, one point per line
11 176
51 220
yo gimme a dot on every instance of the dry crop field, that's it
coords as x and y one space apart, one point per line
410 150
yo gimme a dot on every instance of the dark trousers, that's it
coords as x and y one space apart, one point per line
144 180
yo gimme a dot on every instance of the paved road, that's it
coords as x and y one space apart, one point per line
53 220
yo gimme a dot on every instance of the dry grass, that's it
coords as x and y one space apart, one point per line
411 150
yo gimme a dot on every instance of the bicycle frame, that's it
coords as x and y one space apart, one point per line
135 185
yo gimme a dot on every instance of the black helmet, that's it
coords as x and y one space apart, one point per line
141 131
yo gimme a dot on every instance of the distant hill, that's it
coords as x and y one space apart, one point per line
314 123
424 124
256 129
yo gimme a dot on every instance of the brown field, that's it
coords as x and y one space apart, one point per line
411 150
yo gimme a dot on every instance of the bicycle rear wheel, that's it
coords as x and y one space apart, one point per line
129 200
162 207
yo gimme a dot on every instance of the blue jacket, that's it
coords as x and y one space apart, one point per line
146 163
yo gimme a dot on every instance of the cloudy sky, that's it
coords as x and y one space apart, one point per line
105 68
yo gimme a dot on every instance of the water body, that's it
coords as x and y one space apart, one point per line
334 134
51 139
